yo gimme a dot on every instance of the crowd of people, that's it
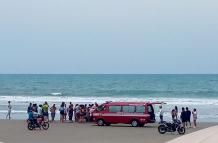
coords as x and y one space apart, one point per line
83 113
185 116
78 113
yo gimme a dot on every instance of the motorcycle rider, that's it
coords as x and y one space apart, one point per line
30 116
33 118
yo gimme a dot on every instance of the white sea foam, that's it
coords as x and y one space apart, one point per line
169 101
56 93
13 111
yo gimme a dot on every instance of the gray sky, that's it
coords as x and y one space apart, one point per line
109 36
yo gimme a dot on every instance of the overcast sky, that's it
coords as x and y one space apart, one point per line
109 36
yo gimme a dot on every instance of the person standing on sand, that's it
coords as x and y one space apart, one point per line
161 113
65 111
183 116
176 110
9 110
61 109
188 117
194 114
70 112
45 111
53 112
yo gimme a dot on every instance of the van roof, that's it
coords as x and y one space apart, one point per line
131 103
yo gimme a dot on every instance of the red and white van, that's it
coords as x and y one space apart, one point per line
134 113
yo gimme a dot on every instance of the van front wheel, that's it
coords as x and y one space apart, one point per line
100 122
134 123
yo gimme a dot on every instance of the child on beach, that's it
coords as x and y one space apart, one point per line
9 110
194 114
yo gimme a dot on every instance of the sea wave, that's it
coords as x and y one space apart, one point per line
168 93
56 94
75 99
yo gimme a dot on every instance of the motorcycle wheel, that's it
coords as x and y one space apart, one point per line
181 130
45 125
30 126
161 129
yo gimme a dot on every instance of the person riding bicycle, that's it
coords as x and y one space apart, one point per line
33 117
30 116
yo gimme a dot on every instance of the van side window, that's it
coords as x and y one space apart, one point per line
129 109
114 108
140 109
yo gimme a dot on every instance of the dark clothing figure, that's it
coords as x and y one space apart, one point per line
188 116
70 113
183 115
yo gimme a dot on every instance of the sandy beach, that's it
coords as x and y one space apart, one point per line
16 132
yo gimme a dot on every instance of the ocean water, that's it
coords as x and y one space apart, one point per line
193 91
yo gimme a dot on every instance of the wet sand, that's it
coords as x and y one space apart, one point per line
15 131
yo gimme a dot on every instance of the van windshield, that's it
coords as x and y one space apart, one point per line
100 108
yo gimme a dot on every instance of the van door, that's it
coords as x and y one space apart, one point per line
114 114
151 111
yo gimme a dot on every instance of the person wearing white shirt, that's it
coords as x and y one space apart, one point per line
161 113
194 113
8 116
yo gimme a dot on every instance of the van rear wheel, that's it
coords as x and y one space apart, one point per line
134 123
100 122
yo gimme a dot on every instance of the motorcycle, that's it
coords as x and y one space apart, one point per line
176 125
38 123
